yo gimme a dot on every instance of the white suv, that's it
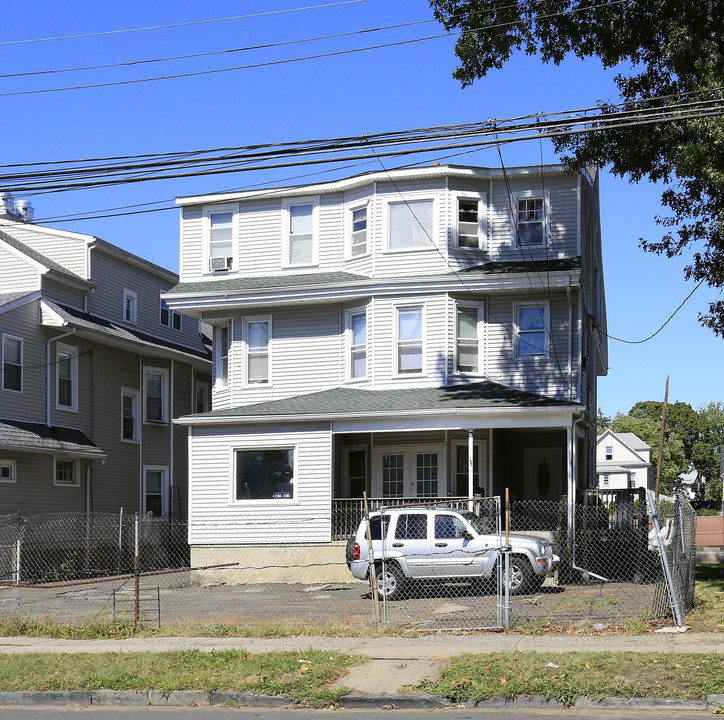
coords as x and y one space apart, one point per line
443 544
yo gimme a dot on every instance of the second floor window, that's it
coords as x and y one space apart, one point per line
467 357
221 240
410 225
300 234
532 323
409 339
130 306
12 363
469 222
66 377
223 342
155 391
609 452
129 415
359 232
201 398
169 318
357 333
257 348
531 222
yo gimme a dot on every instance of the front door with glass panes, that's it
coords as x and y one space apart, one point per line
410 472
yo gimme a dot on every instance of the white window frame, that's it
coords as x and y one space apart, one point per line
5 337
71 351
478 308
605 480
608 451
248 352
75 471
163 372
274 502
163 469
134 396
396 358
222 356
173 318
429 243
130 302
482 220
287 234
204 388
545 350
351 255
217 210
532 195
13 470
351 347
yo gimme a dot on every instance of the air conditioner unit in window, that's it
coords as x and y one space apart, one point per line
220 263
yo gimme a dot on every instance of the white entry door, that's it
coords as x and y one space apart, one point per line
410 472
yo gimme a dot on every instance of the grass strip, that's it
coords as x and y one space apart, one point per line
304 677
567 676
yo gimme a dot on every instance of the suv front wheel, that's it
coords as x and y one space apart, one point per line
521 577
392 582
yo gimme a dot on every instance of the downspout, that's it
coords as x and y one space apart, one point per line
48 365
572 463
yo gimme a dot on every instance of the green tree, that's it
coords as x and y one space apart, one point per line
667 52
681 420
602 421
705 454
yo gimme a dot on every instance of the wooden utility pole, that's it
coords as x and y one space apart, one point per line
661 437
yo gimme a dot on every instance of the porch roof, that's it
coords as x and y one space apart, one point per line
37 437
350 403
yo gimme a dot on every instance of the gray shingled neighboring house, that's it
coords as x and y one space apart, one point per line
421 335
94 366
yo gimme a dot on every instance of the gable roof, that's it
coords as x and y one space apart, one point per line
27 436
347 402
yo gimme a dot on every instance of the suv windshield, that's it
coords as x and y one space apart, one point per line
482 526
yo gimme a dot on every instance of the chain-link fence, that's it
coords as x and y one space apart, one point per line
450 568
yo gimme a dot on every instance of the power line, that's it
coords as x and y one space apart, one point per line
181 24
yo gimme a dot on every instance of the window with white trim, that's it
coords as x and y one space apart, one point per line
357 343
8 471
264 474
220 234
300 234
409 340
65 472
12 363
410 225
530 221
155 491
609 452
130 306
201 397
358 235
66 377
257 332
605 480
469 222
155 395
223 350
467 346
129 415
167 317
532 330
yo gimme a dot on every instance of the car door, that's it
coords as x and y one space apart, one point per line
456 550
410 542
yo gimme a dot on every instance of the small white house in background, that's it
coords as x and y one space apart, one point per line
623 460
418 335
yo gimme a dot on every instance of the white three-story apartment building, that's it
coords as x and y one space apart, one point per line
416 334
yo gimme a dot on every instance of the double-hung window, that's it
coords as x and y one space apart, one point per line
265 474
300 235
531 222
65 472
410 225
66 377
12 363
155 395
357 343
220 224
532 330
155 491
467 355
358 239
409 339
223 350
169 318
130 306
470 222
257 350
129 415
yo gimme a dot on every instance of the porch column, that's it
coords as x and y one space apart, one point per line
471 476
571 466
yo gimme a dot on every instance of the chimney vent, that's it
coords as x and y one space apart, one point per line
11 209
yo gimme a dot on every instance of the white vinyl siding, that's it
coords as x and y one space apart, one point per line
219 519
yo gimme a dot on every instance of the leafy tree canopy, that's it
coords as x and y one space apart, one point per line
671 50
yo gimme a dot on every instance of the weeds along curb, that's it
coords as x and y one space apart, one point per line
186 698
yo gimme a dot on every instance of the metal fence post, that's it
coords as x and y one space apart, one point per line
18 552
136 574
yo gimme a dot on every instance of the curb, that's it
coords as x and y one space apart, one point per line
185 698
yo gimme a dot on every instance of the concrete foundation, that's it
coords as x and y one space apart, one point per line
313 564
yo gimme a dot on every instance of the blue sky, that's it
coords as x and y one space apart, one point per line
395 88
